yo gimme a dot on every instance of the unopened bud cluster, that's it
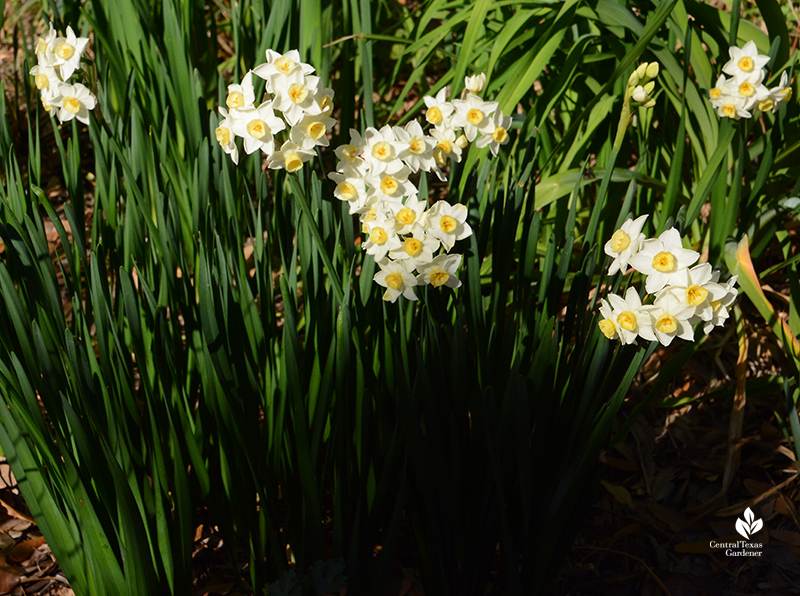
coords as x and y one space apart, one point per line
641 84
302 103
57 60
373 175
684 295
739 96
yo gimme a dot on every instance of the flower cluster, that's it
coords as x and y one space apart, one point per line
57 59
304 108
684 295
641 84
373 176
738 96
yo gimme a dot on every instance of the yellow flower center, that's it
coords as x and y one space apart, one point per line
46 105
696 295
315 130
394 281
627 320
666 324
607 327
787 93
475 116
746 63
326 105
714 93
715 305
347 191
433 115
746 89
447 224
412 247
440 155
284 64
389 185
370 216
378 235
664 262
406 216
349 153
729 110
223 135
235 100
766 105
257 128
41 80
71 104
65 51
445 146
438 278
500 134
382 151
620 241
416 146
293 162
298 92
41 46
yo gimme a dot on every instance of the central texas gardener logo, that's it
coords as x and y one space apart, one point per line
749 525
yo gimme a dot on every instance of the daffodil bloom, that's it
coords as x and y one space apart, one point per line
290 157
662 259
280 65
777 95
417 249
351 189
257 127
475 84
45 48
415 147
381 236
447 223
744 61
494 132
397 278
471 114
352 151
697 289
407 214
671 318
46 79
629 317
715 94
75 101
392 184
226 137
68 52
606 324
625 243
719 308
439 109
294 95
241 96
441 271
446 148
735 106
381 149
311 131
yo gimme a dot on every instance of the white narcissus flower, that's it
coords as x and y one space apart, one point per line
294 95
697 289
719 308
381 236
672 319
392 184
475 84
735 106
397 278
46 79
447 223
661 260
494 132
45 48
416 148
351 189
625 243
629 317
777 95
446 148
381 149
68 52
439 109
280 65
407 214
441 271
471 114
241 96
716 92
75 101
257 127
417 249
311 131
290 157
226 137
744 61
353 151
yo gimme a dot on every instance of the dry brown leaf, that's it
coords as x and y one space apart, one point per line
786 536
620 493
676 522
23 551
9 579
17 514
